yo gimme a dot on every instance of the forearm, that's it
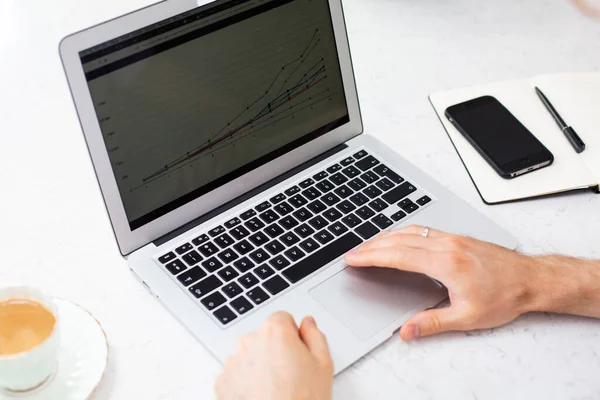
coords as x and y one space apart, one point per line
565 285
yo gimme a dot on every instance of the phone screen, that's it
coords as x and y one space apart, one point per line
498 133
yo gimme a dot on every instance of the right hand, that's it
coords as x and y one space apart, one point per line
488 285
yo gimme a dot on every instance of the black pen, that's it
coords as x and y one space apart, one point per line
569 132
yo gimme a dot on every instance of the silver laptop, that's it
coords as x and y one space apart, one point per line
228 144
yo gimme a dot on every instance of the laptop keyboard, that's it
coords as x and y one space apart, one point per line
239 265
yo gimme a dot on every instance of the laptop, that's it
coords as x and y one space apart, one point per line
228 144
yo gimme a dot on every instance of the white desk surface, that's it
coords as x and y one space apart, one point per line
54 232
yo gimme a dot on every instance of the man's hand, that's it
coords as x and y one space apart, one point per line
488 285
279 362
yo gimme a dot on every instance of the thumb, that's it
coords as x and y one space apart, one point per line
314 339
431 322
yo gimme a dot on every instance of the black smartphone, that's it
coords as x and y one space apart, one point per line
508 146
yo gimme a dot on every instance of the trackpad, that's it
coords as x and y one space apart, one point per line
367 300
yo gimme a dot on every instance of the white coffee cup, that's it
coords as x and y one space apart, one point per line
22 372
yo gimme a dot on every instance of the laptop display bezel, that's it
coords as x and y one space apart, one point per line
129 240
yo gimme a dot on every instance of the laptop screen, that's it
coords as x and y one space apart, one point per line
195 101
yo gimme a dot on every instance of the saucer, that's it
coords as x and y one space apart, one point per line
82 358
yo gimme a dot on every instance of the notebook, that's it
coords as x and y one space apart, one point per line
576 97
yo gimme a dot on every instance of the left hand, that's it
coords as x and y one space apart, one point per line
279 362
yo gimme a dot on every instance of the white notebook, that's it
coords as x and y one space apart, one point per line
576 97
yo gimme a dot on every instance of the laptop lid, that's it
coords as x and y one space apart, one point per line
186 107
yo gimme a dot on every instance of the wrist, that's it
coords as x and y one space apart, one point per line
564 285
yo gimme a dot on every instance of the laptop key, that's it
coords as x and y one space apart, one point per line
167 257
381 170
191 276
276 285
351 172
243 247
357 184
318 222
382 221
228 274
274 247
205 286
279 263
289 239
248 280
269 216
346 207
343 191
257 295
324 256
292 191
200 240
398 216
324 237
192 258
288 222
302 214
225 315
338 179
359 199
208 249
369 177
184 248
320 176
262 206
175 267
332 214
365 212
423 200
330 199
274 230
361 154
260 256
224 241
394 177
241 305
304 231
232 222
239 232
399 192
372 192
367 163
311 193
385 184
213 301
410 208
212 264
248 214
367 230
258 239
324 186
316 206
264 271
297 201
347 161
216 231
309 245
337 229
306 183
243 264
278 199
228 256
334 168
352 220
294 254
283 208
378 205
232 290
254 224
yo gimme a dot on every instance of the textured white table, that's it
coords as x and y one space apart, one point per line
54 232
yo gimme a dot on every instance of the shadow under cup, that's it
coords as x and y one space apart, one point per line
28 370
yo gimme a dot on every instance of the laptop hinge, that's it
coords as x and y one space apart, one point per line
252 193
